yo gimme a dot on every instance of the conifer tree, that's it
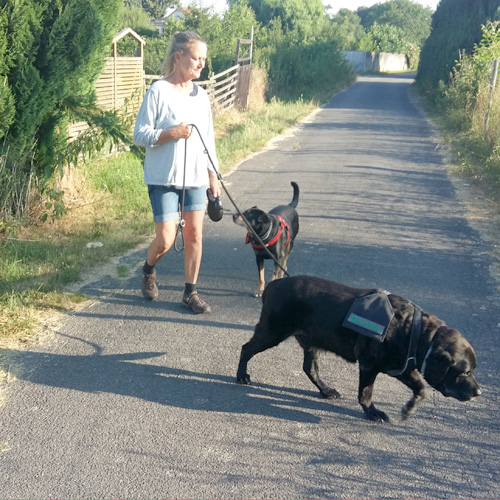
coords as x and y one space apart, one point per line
6 97
54 53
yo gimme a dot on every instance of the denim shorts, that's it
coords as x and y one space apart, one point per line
166 201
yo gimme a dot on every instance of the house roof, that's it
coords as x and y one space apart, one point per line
172 10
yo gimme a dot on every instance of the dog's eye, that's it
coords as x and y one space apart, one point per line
464 375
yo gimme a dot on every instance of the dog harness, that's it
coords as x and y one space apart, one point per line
370 315
281 227
411 358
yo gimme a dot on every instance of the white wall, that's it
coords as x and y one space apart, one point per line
376 61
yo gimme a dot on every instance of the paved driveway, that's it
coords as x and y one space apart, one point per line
138 400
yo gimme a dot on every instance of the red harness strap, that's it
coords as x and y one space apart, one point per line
282 225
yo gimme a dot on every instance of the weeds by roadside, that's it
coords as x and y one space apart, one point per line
467 111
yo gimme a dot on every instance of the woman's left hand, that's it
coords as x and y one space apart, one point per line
214 186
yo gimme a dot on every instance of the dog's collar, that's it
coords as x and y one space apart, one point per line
264 238
411 358
281 226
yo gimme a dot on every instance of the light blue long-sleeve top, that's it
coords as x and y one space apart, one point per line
164 108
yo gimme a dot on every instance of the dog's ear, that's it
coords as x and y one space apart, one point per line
440 360
437 366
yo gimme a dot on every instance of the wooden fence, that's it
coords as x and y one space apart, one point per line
221 88
120 86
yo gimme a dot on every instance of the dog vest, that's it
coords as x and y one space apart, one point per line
370 315
282 226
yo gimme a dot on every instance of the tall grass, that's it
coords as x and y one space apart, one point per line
244 133
15 186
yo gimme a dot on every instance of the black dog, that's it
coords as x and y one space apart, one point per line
277 230
313 310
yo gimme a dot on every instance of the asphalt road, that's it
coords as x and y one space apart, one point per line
138 400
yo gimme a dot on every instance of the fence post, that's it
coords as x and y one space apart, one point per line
244 72
493 83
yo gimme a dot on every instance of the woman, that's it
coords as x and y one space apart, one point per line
169 109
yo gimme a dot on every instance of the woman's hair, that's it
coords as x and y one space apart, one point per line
180 42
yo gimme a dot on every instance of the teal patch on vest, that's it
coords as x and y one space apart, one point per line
366 323
370 315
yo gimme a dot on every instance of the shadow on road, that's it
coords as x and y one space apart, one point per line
134 375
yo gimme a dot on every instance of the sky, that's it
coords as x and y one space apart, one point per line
336 5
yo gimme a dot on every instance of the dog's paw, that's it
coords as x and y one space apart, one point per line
243 379
376 415
405 413
330 393
409 408
258 293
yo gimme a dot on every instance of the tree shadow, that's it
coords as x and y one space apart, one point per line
147 376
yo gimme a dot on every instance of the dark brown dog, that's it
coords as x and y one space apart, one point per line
277 230
313 309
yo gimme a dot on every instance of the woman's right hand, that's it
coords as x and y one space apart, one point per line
184 130
181 131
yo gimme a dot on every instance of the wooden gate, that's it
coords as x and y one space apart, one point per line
243 59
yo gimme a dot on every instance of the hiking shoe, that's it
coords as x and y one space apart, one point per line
195 303
149 288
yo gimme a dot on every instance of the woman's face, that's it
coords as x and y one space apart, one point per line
191 62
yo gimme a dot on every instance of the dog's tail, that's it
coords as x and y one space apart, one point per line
295 199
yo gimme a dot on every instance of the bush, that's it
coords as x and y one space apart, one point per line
305 70
470 108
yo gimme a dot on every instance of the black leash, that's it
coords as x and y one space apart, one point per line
219 177
182 222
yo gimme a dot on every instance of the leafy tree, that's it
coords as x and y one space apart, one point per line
208 24
412 19
156 46
346 30
236 23
386 38
138 19
302 70
399 26
301 20
220 34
